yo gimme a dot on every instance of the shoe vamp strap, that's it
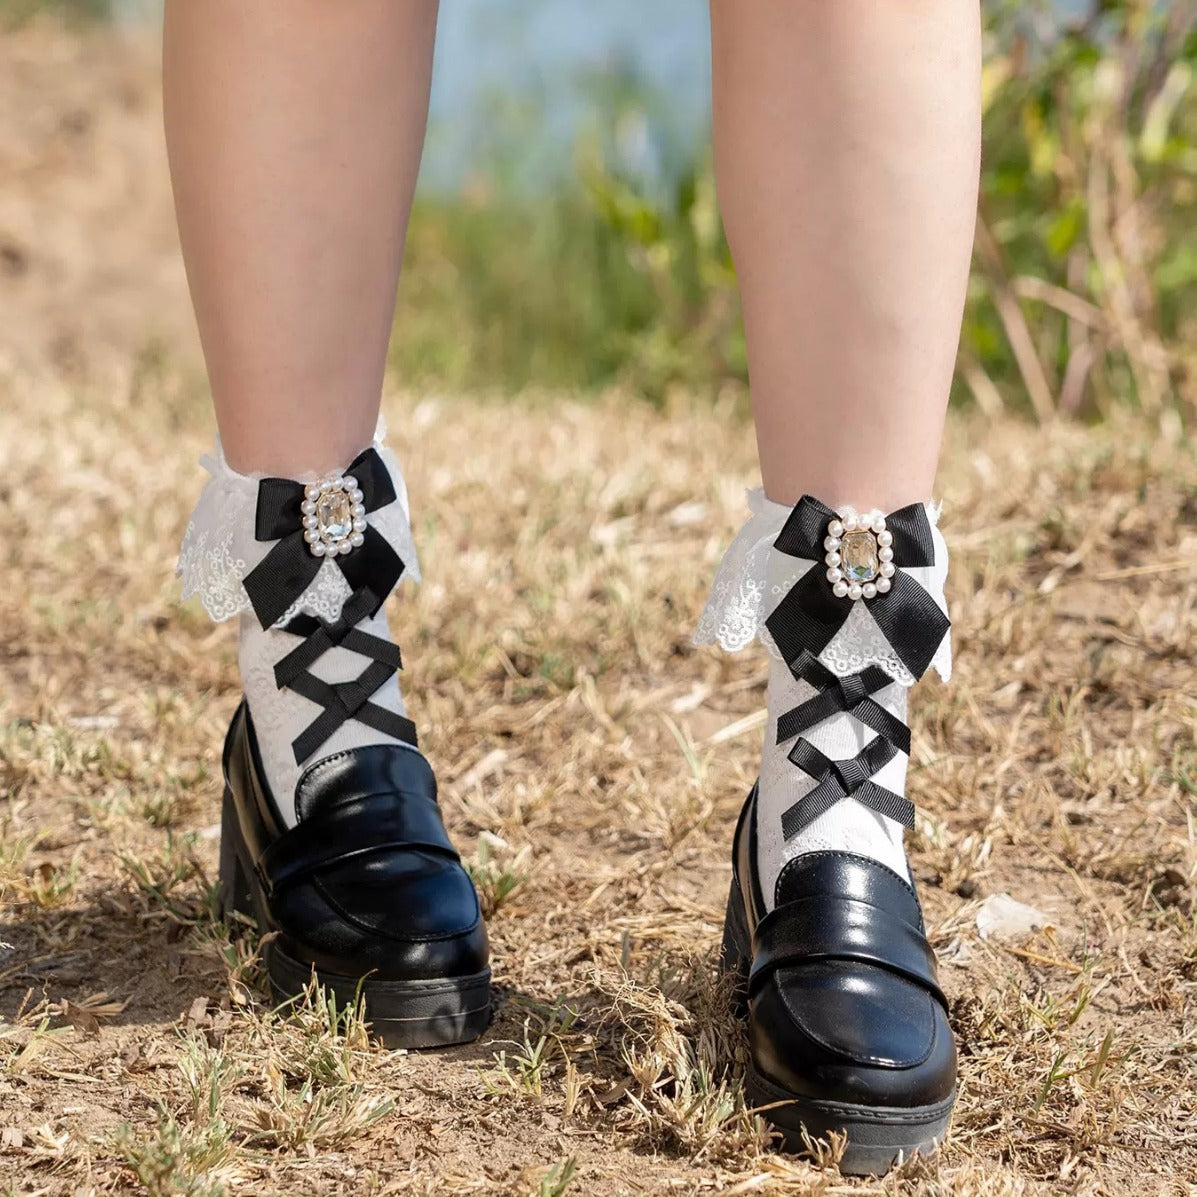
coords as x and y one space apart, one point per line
362 826
834 927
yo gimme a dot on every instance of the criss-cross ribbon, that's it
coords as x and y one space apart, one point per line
372 569
290 567
853 694
342 700
810 614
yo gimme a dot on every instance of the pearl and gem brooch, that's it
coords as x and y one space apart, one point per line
334 518
860 559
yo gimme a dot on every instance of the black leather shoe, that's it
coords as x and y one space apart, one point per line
366 890
847 1024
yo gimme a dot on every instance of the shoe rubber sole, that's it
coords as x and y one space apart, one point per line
878 1137
438 1012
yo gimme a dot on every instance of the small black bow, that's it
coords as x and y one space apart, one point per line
853 694
290 567
810 614
342 701
837 780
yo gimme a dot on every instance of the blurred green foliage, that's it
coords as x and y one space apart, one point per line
1085 274
14 12
1085 271
1084 285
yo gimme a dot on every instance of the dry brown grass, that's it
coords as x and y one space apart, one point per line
592 764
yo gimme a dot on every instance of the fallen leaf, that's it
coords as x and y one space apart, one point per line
81 1018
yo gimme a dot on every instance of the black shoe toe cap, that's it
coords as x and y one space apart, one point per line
407 914
836 1030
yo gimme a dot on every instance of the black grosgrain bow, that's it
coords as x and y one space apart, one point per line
837 780
810 614
290 567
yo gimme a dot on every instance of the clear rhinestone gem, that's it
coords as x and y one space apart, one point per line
859 554
334 518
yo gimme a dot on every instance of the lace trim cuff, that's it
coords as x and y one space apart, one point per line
752 579
219 549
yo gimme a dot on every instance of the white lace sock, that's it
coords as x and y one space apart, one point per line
220 550
752 580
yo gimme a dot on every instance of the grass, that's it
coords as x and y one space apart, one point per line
591 765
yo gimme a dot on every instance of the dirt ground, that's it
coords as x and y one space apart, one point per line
592 764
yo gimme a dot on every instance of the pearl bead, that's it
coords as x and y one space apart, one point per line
834 575
831 543
325 485
887 569
349 482
312 491
357 511
869 590
840 590
308 507
851 522
359 524
345 547
319 548
885 554
356 495
832 558
885 538
854 591
357 540
309 521
311 536
835 528
879 522
883 585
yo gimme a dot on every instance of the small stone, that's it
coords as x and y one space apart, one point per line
333 516
860 562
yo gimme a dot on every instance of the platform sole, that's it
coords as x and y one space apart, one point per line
878 1137
437 1012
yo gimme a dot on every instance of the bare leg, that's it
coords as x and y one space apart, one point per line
295 129
847 154
847 141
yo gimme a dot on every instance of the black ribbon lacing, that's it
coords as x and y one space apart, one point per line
372 570
804 623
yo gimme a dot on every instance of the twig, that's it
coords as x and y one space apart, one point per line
1022 344
1026 286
